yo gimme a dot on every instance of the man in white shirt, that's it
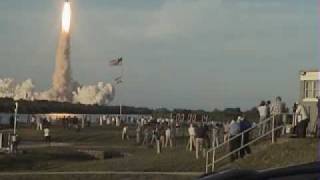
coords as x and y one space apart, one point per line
118 121
277 108
263 111
125 133
46 133
192 140
168 137
303 120
138 132
215 135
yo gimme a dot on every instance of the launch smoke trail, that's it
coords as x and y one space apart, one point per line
62 81
64 88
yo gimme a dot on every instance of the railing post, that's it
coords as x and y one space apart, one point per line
213 159
207 161
242 139
0 140
272 129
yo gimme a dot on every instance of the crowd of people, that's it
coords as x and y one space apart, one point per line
150 133
202 135
300 118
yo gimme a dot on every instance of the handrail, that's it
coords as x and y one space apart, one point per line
245 145
239 134
213 150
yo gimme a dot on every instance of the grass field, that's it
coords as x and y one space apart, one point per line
136 158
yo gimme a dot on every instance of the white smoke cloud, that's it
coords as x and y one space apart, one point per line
102 93
94 94
24 90
7 87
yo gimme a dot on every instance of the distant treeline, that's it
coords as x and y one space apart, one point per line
7 105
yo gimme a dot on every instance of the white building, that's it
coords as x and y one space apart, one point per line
309 91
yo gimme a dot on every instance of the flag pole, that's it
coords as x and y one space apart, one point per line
118 80
121 75
15 118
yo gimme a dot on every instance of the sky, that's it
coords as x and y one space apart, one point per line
196 54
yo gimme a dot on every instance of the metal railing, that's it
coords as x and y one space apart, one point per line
210 162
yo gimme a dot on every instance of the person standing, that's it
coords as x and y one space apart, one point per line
244 126
162 134
157 137
226 127
146 135
234 143
294 118
303 121
33 121
100 120
192 134
154 135
215 135
262 109
276 111
125 132
168 137
200 135
46 133
118 122
138 131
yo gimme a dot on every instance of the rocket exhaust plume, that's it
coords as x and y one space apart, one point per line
62 81
64 88
66 17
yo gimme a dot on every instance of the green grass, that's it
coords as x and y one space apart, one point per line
291 152
137 158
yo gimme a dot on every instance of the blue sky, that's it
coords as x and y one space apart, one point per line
178 53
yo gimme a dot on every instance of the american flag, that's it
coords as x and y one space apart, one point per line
116 62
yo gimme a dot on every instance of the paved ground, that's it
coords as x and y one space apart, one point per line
101 173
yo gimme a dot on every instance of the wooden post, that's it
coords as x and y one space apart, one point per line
272 140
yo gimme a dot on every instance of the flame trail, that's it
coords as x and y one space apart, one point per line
62 81
66 17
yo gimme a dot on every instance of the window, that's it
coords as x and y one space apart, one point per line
311 89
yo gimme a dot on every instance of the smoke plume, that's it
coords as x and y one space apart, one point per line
62 82
64 88
102 93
